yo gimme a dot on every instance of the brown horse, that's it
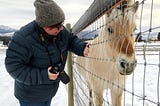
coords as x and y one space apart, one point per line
111 55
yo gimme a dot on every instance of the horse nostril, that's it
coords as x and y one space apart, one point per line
134 63
123 64
127 67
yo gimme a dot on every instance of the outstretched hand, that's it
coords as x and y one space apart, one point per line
86 50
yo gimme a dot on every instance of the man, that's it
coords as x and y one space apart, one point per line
35 51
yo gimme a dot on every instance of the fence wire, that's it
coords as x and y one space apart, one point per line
142 87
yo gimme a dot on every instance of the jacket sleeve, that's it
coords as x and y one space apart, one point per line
76 45
18 56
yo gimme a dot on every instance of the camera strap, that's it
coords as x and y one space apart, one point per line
43 39
63 76
43 35
56 43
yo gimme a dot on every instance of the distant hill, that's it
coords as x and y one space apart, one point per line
88 35
6 33
6 29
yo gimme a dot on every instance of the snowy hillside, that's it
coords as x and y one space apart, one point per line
6 29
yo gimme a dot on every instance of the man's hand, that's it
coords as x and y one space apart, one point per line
52 76
86 50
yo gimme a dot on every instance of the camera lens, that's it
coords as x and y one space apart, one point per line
54 70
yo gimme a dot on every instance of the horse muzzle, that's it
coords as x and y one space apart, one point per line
126 68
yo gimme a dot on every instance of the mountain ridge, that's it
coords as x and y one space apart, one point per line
6 29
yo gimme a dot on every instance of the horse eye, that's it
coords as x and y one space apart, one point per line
110 30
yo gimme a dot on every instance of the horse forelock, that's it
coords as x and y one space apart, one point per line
119 15
123 25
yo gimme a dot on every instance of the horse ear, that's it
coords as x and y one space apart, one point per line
135 6
123 6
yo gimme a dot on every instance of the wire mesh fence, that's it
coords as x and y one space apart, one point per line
111 39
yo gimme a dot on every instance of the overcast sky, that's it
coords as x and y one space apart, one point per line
16 13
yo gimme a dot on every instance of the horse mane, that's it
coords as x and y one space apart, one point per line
126 10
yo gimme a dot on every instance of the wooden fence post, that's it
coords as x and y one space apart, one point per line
70 73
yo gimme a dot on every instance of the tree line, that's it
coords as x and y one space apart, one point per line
5 39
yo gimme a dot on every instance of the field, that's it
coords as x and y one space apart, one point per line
142 87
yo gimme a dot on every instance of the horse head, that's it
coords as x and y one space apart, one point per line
119 30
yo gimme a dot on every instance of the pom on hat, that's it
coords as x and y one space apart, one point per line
48 13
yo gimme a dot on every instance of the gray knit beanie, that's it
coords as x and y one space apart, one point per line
48 13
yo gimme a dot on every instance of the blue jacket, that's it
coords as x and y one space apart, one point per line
27 61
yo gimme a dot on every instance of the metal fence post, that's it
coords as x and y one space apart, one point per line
70 73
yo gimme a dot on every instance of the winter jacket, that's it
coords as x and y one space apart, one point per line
27 61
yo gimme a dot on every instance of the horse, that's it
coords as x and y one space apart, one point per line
111 55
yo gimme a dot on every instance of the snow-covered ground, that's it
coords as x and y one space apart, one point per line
143 83
7 84
142 87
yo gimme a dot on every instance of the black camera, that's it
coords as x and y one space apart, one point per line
62 74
